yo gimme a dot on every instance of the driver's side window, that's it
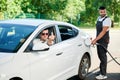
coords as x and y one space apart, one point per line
44 39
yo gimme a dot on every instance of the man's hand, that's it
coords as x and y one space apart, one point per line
94 42
51 39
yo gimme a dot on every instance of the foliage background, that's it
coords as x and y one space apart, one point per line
77 12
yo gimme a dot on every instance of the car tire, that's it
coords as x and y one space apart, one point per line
84 66
16 78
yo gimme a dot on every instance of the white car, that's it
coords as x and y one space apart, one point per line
69 55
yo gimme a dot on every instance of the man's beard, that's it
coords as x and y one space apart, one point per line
103 15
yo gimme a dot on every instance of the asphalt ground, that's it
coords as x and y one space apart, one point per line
113 69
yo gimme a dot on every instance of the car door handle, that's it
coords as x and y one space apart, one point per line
79 44
59 53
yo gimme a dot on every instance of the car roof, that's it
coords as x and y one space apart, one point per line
31 22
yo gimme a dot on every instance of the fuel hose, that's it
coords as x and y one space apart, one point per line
108 53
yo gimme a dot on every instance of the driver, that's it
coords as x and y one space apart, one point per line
44 39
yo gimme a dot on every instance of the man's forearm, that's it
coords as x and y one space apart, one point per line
100 35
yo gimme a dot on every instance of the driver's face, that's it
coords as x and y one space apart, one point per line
102 13
44 35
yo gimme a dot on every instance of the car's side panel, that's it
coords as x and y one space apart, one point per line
54 63
17 66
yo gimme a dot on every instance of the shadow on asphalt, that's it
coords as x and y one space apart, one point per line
74 78
111 76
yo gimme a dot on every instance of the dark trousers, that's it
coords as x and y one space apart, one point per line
103 57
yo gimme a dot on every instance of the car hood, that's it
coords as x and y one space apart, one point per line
5 58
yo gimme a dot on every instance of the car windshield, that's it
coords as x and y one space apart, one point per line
12 36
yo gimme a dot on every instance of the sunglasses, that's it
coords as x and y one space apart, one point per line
44 33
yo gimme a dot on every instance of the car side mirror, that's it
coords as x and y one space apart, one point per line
40 47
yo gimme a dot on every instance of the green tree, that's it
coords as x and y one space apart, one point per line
13 9
3 5
9 8
114 10
2 8
91 12
49 8
93 5
72 11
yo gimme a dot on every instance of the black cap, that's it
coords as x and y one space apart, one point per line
102 8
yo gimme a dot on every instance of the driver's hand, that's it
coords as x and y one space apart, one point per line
51 37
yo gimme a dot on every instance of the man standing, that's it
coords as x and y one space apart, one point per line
102 27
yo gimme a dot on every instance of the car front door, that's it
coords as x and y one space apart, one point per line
57 62
49 64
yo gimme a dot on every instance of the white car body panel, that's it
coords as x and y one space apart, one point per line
16 65
53 60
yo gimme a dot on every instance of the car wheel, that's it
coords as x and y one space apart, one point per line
84 66
16 78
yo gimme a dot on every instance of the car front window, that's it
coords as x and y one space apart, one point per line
12 36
